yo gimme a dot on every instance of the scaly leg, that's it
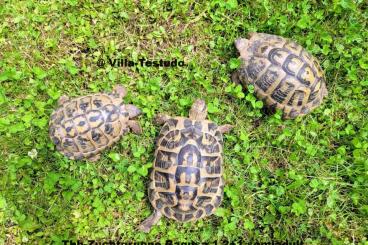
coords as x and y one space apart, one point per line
120 91
235 77
94 158
161 119
62 100
150 221
225 128
135 127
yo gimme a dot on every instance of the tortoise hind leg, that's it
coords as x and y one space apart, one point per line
324 90
235 77
150 221
119 91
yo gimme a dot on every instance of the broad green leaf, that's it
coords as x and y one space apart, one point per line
299 207
248 224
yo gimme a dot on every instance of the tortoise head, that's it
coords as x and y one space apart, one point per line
198 110
241 45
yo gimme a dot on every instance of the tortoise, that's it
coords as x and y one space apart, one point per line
186 182
284 74
84 126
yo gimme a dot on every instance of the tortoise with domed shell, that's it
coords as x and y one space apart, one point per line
283 73
186 181
81 128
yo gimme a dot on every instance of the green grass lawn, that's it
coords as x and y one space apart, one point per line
303 179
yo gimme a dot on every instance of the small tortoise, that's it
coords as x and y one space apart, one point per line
283 73
186 181
84 126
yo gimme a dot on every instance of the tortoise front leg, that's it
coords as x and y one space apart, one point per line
62 100
161 119
94 158
119 91
241 45
135 127
150 221
225 128
235 77
132 110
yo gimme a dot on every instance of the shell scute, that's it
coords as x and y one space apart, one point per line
186 180
84 126
284 74
71 109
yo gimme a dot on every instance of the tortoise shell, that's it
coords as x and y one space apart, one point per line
186 181
84 126
283 73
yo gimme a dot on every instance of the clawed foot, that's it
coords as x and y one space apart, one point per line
225 128
161 119
62 100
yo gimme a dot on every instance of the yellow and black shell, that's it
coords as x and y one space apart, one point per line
84 126
284 74
186 183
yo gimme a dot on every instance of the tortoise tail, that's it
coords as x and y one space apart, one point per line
150 221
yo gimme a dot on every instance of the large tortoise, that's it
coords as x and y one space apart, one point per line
283 73
186 181
84 126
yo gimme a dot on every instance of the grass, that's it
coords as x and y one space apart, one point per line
303 179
